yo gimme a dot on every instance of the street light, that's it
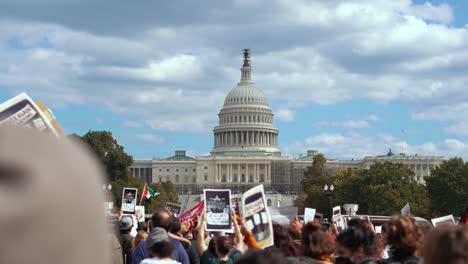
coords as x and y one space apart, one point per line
328 193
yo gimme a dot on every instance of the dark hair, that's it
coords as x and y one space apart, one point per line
176 226
161 218
284 242
263 257
223 245
403 236
316 242
446 244
162 249
358 235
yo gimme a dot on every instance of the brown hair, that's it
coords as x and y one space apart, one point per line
316 242
446 244
141 236
284 242
403 236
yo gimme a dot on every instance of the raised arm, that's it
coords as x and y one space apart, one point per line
201 236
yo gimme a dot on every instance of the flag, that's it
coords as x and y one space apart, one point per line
148 192
406 210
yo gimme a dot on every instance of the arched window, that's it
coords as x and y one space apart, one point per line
269 202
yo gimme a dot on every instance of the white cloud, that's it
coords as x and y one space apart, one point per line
132 124
343 124
459 129
340 146
374 118
285 115
151 138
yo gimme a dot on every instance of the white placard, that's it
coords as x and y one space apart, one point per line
309 215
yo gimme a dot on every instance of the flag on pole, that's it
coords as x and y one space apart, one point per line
406 210
148 193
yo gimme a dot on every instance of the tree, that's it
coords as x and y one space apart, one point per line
448 187
382 190
110 153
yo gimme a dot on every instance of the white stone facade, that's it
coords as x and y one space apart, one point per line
245 151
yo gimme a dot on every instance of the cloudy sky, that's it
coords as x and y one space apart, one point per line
348 78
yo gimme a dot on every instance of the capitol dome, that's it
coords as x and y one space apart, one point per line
246 120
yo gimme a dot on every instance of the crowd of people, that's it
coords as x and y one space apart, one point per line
164 240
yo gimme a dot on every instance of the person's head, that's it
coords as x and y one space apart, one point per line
158 243
403 236
263 257
284 242
126 224
357 242
141 236
446 244
161 218
176 226
295 228
189 235
317 243
223 246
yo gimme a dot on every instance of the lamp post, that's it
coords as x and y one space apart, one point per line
106 188
329 192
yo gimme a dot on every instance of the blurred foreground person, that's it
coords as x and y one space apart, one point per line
263 257
403 237
446 244
51 201
159 247
317 244
126 224
357 244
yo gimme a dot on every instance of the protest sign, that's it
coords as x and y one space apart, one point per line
444 220
129 200
309 215
193 213
141 209
218 209
174 209
336 213
22 111
256 216
235 205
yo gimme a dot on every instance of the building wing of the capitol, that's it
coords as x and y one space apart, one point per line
245 151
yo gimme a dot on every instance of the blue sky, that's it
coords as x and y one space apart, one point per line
347 78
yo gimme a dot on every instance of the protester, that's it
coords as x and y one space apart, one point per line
159 248
263 257
141 236
161 218
357 244
317 244
403 237
126 224
446 244
284 242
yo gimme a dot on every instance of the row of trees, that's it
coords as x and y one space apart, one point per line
386 187
116 163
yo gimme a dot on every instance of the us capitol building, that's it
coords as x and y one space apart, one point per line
246 153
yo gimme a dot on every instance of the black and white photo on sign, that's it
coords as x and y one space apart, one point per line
141 213
218 208
173 208
336 213
129 200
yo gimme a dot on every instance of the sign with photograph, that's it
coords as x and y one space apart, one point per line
235 205
129 200
256 216
140 209
218 209
174 209
23 112
444 220
336 213
309 215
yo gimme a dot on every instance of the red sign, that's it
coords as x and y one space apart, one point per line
191 214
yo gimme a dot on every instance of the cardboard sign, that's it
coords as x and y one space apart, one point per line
336 213
309 215
22 111
174 209
142 213
129 200
218 209
444 220
256 216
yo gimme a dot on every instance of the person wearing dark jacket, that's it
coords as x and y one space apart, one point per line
125 239
161 218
